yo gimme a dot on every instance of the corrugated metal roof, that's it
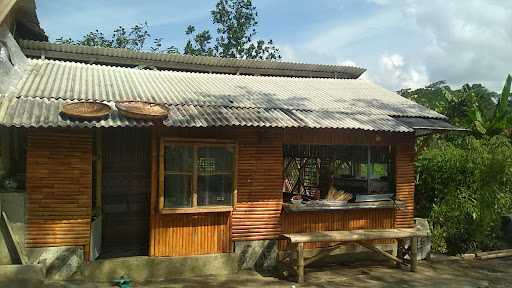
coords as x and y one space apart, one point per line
341 71
36 112
76 81
428 124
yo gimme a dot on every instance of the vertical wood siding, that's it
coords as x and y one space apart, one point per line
59 185
192 234
405 182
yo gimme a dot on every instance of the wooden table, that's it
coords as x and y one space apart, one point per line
296 245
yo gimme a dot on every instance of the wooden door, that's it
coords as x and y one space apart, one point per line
125 192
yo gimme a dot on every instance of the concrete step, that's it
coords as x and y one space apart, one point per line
31 275
144 268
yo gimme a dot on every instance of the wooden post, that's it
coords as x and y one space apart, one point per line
154 197
99 167
16 244
414 253
300 262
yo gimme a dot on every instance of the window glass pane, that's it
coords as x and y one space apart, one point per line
380 168
178 176
214 190
215 159
178 191
214 175
352 169
178 158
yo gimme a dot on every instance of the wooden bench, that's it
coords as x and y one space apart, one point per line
362 237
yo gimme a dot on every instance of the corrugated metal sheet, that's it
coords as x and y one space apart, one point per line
197 116
76 81
353 72
35 112
429 124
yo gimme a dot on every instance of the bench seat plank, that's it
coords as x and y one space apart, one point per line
354 235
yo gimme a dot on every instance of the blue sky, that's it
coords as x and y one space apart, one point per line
402 43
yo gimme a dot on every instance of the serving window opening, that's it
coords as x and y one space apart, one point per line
338 173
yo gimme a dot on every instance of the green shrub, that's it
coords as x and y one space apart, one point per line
463 188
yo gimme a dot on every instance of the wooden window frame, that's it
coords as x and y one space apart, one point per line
195 143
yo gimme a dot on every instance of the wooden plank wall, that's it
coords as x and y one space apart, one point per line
256 214
59 185
59 167
405 182
192 234
259 190
339 220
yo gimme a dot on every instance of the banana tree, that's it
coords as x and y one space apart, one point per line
490 124
501 119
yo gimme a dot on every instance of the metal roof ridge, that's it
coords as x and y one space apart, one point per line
68 62
191 59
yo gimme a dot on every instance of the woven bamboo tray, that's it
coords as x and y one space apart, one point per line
86 110
142 110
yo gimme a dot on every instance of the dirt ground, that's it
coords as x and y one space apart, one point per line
437 273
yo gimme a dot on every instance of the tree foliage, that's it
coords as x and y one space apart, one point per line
484 112
235 22
134 38
499 120
463 188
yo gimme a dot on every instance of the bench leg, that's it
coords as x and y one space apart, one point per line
414 253
300 262
395 249
400 247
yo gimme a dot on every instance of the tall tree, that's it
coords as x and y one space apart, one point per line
236 22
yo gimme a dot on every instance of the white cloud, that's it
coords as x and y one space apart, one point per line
288 53
353 64
392 62
470 41
460 41
394 72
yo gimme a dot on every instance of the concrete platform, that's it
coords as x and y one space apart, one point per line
495 273
142 268
21 276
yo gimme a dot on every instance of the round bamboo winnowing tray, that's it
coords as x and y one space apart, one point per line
142 110
86 110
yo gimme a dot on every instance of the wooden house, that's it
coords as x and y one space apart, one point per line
241 138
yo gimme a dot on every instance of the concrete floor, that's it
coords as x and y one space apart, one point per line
437 273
